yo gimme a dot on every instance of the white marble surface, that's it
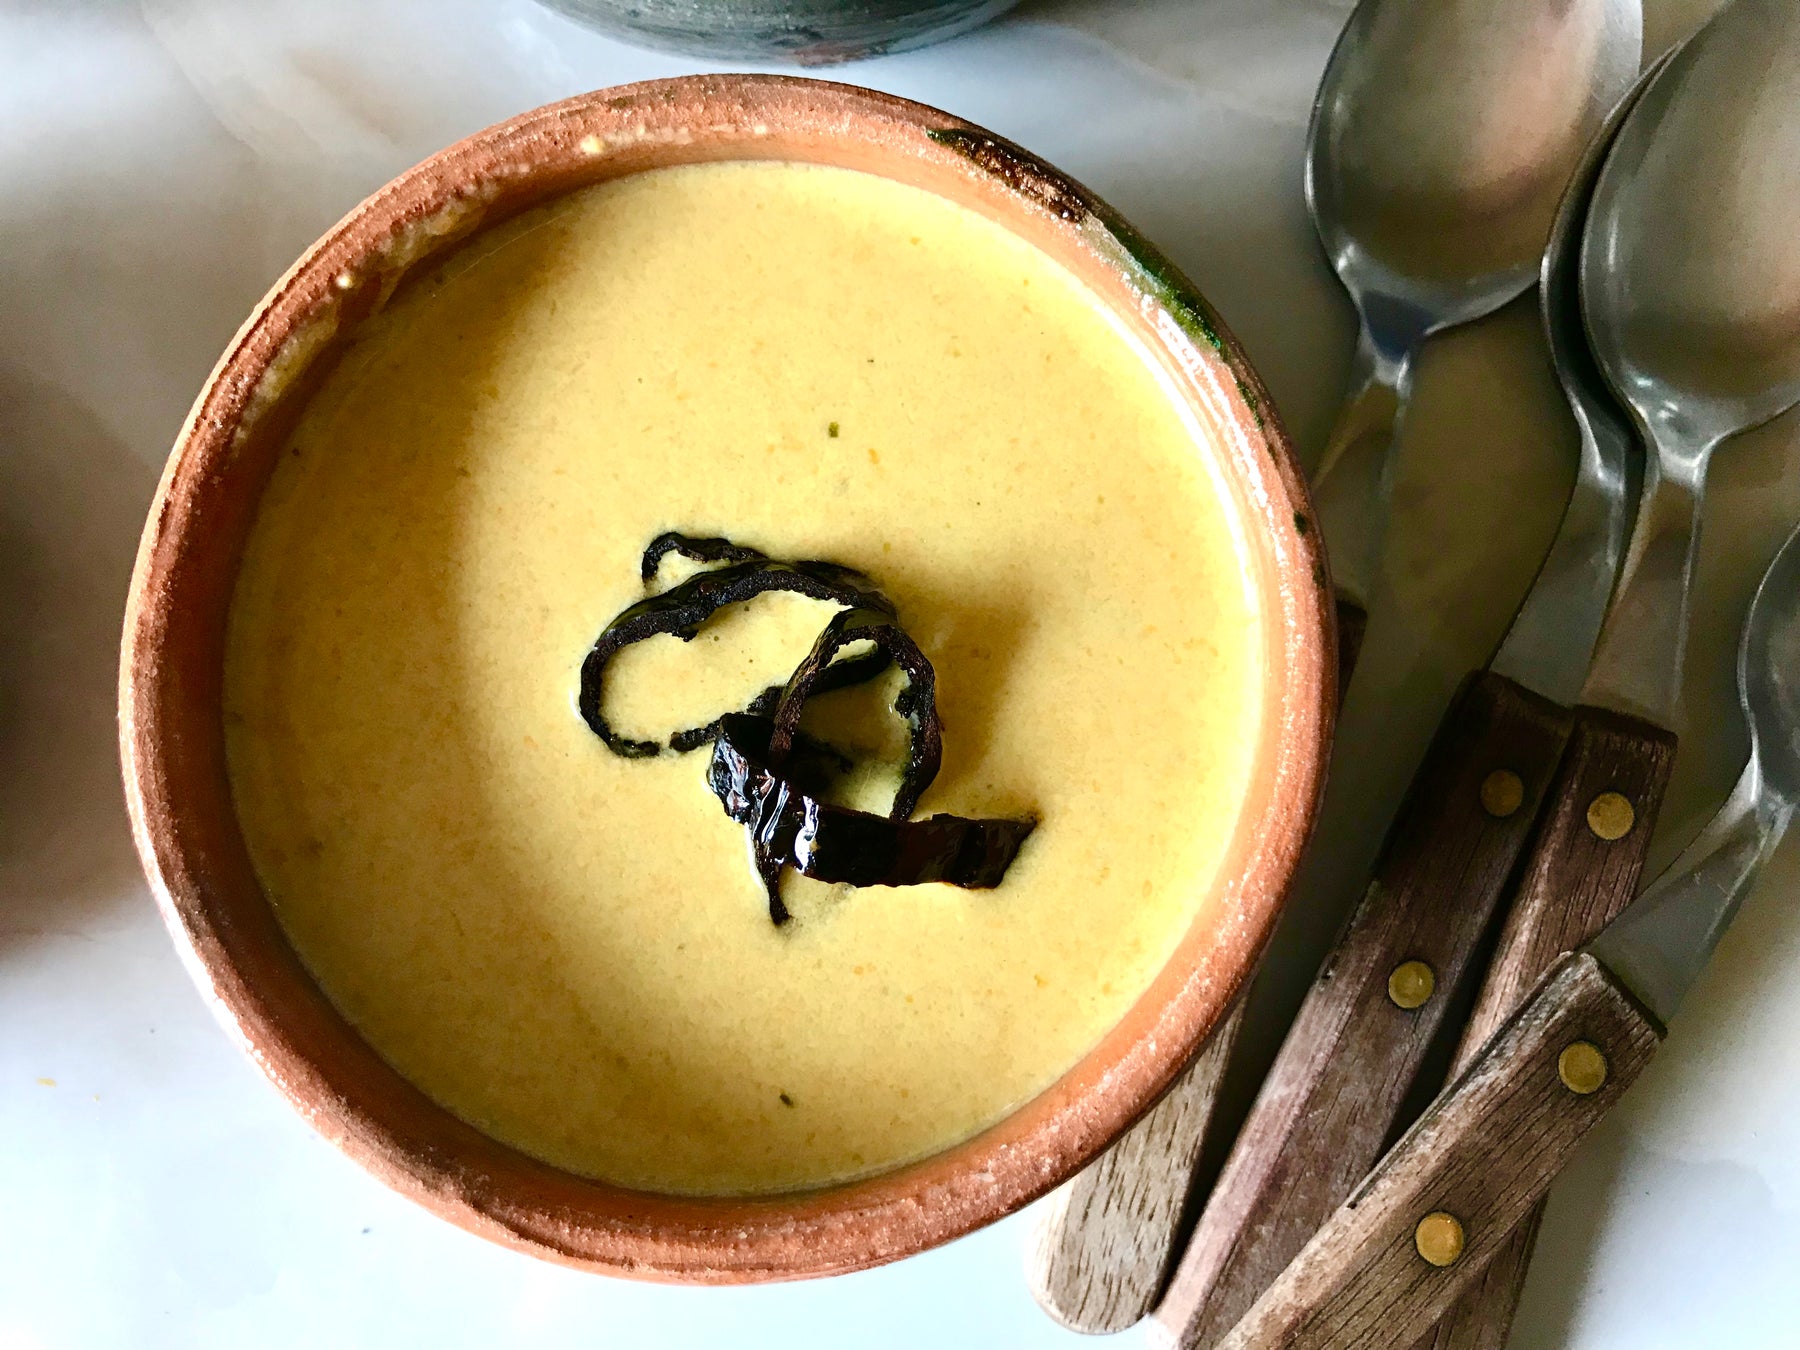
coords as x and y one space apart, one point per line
161 162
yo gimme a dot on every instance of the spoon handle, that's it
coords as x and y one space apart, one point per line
1422 1227
1582 871
1352 482
1103 1242
1335 1091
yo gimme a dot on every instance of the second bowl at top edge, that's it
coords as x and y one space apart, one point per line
806 32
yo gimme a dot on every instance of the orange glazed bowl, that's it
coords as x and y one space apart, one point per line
172 672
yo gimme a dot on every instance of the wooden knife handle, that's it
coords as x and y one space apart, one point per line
1580 873
1424 1225
1103 1241
1335 1092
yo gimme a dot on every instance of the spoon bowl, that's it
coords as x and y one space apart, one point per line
1607 438
1690 271
1442 137
1690 289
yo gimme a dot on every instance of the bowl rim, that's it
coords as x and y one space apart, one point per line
171 737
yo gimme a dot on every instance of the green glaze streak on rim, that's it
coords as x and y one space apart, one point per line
1149 267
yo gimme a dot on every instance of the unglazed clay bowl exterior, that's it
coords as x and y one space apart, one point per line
171 725
808 32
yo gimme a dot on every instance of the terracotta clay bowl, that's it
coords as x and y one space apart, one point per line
172 738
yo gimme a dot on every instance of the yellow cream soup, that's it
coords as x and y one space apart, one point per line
569 949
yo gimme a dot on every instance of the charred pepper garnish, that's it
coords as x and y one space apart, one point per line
788 827
763 768
683 609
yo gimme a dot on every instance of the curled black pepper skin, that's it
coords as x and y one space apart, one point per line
709 550
787 827
766 772
684 608
917 702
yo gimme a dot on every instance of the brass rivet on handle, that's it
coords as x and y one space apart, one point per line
1410 984
1439 1238
1502 793
1610 816
1582 1068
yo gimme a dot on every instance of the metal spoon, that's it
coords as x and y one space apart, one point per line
1575 584
1441 140
1690 285
1455 1186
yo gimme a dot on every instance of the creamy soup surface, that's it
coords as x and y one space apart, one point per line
569 949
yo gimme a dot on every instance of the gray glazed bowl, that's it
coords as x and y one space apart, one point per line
807 32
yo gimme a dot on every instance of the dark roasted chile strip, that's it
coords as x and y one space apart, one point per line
757 798
684 608
787 827
766 772
711 550
811 762
842 673
917 703
859 848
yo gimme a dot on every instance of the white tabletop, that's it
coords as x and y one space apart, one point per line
160 163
